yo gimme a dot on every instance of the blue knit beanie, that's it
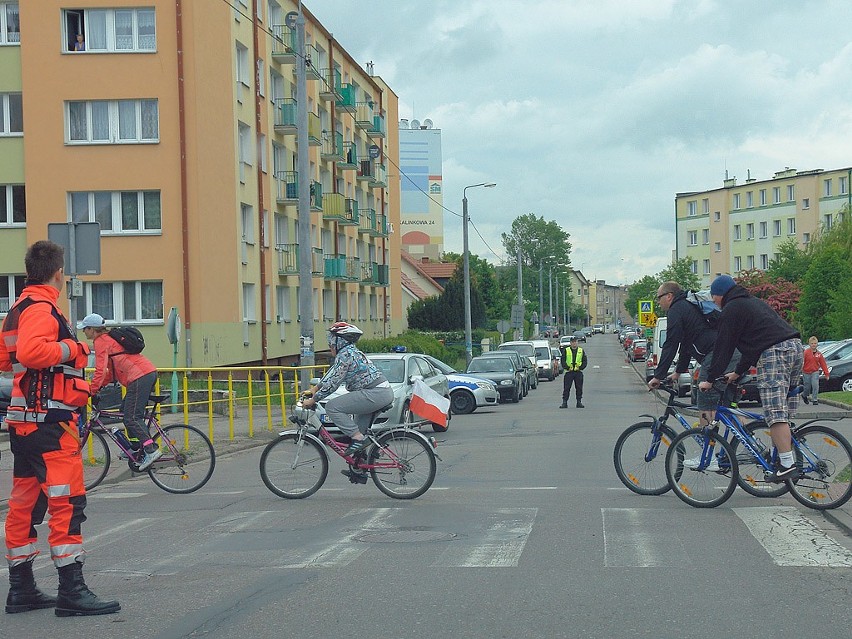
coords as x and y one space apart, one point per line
722 285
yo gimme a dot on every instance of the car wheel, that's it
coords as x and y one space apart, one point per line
462 402
438 428
406 416
846 384
517 396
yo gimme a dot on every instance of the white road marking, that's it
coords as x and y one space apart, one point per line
227 492
114 495
500 545
528 488
791 539
632 539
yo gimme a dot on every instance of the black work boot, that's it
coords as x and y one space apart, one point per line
75 598
23 593
564 404
580 404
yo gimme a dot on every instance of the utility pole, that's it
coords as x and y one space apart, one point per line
306 288
550 296
540 292
519 332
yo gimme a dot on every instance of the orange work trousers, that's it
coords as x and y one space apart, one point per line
47 476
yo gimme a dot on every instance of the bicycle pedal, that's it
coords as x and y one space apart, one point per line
355 477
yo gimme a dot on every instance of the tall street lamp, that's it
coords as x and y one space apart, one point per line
468 331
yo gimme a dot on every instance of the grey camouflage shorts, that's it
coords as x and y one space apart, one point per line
778 369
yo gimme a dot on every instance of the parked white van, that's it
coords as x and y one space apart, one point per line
685 380
544 359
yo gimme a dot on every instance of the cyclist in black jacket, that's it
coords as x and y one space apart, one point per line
689 334
765 339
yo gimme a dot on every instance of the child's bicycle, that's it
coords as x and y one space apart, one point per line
400 461
188 457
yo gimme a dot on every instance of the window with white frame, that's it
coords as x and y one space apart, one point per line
826 188
267 294
10 287
764 229
806 203
717 247
249 303
776 228
706 267
247 219
736 200
717 216
11 115
750 261
244 135
138 302
112 122
124 30
791 226
806 237
828 221
13 205
843 183
691 208
705 206
749 199
705 236
738 264
327 304
243 73
737 232
764 261
10 23
762 197
750 231
791 193
693 238
776 194
118 211
693 267
282 304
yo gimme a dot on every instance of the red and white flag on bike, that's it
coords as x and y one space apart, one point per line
428 404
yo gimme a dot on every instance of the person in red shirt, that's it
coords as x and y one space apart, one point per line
814 361
134 371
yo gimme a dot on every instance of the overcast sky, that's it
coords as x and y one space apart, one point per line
595 113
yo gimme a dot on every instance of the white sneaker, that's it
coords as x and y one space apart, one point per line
150 458
693 464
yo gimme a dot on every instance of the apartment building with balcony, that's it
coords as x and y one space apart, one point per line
741 226
175 128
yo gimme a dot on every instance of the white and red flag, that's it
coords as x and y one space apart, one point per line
428 404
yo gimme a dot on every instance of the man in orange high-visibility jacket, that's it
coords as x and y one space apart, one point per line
49 387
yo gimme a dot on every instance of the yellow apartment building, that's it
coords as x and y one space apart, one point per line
173 124
740 226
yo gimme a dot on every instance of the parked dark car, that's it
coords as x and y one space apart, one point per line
501 370
748 385
839 361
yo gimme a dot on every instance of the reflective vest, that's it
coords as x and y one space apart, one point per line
578 359
51 394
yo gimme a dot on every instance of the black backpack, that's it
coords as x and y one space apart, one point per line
129 338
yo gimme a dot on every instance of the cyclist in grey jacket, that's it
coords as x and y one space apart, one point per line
368 388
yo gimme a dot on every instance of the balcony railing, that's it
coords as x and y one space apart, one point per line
380 225
314 130
347 98
380 176
332 81
367 272
317 262
335 267
353 269
381 273
285 115
312 72
364 114
350 156
366 220
284 44
378 128
288 258
365 170
288 186
332 146
352 218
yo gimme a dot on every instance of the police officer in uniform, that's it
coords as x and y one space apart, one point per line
574 360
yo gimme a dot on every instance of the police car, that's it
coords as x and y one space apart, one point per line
467 392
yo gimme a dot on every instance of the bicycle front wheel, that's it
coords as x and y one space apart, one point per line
293 467
825 459
640 460
701 468
188 459
751 473
405 464
96 459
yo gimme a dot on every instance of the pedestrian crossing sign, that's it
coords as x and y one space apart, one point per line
646 306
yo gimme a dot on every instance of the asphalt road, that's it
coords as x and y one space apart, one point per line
527 532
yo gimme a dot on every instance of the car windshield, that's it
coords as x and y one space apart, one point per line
444 368
490 365
542 353
524 349
393 369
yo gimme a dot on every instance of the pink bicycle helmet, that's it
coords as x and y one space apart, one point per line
342 333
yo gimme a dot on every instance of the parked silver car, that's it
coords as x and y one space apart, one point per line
401 369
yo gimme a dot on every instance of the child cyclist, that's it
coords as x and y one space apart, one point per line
368 388
134 371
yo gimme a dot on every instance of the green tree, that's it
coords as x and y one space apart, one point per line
829 269
680 271
840 316
497 300
791 264
643 289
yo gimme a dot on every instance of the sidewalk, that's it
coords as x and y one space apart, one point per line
827 410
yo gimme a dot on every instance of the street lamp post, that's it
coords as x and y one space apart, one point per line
468 331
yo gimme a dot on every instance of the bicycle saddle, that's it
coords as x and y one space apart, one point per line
157 399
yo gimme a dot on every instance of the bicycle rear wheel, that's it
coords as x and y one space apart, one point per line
689 472
294 467
188 460
751 473
825 460
96 459
406 462
640 462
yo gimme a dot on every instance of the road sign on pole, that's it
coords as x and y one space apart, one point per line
517 316
503 326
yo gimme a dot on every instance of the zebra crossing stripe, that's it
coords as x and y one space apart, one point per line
632 539
792 539
499 546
